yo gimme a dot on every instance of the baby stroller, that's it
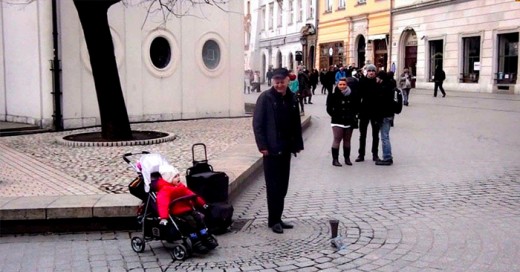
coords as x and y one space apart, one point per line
147 215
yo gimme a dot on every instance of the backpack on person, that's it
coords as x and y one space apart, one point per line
398 101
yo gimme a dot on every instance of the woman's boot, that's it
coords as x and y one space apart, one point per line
346 154
335 156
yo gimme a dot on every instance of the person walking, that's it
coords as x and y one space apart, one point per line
304 87
369 112
339 74
278 134
386 114
405 83
313 79
323 74
438 79
247 82
342 106
256 82
269 76
330 79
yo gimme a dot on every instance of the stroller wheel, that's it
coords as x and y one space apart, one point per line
180 252
137 244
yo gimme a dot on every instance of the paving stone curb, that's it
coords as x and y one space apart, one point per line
167 138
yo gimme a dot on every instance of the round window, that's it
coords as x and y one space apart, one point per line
160 52
211 54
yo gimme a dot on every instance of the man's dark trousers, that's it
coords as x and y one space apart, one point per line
363 127
438 85
276 171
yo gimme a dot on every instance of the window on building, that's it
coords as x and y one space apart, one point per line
361 2
299 9
160 52
328 5
279 16
471 55
290 13
341 4
261 20
436 56
507 70
271 15
310 10
211 54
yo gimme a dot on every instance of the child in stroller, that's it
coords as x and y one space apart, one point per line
168 211
190 220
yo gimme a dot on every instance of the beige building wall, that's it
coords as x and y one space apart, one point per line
450 22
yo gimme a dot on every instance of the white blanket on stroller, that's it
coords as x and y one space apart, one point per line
150 163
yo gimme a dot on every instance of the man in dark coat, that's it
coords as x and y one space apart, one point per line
278 134
439 78
369 112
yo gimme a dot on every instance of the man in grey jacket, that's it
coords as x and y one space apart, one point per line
278 134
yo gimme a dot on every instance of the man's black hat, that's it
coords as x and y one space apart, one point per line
280 73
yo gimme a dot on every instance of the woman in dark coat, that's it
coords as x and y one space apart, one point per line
343 106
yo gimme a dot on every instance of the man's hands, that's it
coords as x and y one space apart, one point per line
264 152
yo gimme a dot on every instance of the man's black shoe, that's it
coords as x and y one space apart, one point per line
286 225
375 158
384 162
277 228
310 102
360 159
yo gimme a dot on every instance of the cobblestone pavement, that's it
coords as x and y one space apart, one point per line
102 168
450 202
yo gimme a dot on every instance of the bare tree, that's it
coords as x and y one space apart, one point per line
115 125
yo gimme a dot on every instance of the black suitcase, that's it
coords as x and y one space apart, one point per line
219 217
211 185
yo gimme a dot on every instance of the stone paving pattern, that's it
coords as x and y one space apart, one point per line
450 202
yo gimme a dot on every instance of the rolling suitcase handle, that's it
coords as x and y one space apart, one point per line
193 153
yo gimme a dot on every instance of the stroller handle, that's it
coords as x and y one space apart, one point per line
127 160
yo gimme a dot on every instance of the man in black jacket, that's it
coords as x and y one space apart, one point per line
369 112
278 133
439 78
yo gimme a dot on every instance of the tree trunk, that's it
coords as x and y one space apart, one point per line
115 125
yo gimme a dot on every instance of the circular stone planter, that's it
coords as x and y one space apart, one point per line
95 139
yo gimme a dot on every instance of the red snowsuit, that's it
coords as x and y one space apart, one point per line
166 192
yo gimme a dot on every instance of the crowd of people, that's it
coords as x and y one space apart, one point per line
356 98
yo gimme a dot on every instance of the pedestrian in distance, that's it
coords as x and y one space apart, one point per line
342 106
405 83
323 74
269 76
330 79
370 94
247 82
313 78
278 134
339 74
387 86
438 79
256 82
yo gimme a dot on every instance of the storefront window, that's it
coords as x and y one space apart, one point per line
507 58
436 56
471 61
